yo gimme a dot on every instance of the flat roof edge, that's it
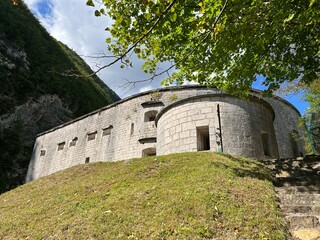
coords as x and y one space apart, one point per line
164 89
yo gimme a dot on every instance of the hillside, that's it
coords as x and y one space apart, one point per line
180 196
35 92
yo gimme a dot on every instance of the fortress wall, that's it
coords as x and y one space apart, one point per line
76 148
121 131
125 123
242 123
132 127
286 121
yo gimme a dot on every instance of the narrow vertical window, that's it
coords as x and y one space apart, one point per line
132 129
203 139
87 160
265 143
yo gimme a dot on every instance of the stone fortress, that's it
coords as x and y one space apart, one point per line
172 120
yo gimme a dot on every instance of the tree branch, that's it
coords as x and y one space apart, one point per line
140 39
189 52
132 84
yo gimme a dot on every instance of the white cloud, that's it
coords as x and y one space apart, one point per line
31 3
74 23
145 88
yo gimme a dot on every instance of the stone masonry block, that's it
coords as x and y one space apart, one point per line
200 123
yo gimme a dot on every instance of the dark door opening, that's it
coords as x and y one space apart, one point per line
294 143
265 143
203 139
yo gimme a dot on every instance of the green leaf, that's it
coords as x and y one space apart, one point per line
97 13
312 2
289 18
108 40
90 3
137 50
174 17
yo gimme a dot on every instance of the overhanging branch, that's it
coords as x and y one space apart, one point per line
167 70
140 39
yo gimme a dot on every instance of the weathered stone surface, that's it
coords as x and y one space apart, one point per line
301 199
15 53
240 135
37 115
307 234
285 122
298 191
301 221
132 130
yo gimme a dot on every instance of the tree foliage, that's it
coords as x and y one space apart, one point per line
312 95
312 115
312 122
222 43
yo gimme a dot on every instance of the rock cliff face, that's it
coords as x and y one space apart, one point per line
36 115
35 95
14 54
19 129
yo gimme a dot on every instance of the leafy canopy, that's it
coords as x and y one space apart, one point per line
312 95
222 43
312 115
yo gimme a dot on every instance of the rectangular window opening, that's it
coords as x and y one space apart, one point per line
203 139
92 136
107 131
87 160
42 152
61 146
265 143
73 142
150 116
149 152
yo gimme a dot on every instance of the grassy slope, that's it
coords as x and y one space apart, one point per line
181 196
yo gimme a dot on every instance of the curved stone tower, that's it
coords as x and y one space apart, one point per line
220 123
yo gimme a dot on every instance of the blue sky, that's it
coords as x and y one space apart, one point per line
44 8
74 23
298 102
295 99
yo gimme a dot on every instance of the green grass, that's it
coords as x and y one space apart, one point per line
180 196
